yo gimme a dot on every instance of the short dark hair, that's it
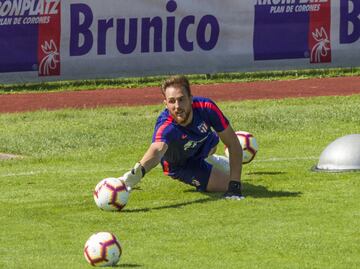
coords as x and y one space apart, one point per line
176 81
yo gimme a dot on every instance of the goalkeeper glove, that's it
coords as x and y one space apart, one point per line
134 176
234 191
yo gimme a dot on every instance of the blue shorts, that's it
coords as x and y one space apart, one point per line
196 171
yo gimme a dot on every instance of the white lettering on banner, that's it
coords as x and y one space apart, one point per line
288 2
36 20
307 8
28 7
127 32
277 9
274 2
6 21
290 6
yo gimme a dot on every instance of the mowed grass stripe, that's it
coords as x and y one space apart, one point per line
119 169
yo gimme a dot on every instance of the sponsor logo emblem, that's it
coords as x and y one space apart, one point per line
51 59
321 48
192 144
292 29
31 31
203 128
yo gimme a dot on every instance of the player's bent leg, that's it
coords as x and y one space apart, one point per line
218 181
219 162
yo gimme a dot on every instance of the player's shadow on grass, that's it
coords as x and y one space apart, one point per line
250 190
266 173
178 205
255 191
258 191
128 265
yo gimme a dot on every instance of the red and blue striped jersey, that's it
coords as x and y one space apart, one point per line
188 142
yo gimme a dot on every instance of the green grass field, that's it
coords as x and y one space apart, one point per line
292 217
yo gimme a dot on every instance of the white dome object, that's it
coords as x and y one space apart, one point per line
343 154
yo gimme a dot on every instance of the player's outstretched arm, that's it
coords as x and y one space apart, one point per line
150 159
229 138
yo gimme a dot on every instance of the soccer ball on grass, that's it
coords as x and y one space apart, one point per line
102 249
249 145
111 194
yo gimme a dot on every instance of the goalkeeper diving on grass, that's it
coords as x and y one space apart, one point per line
184 141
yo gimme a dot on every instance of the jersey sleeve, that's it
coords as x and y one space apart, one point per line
213 113
163 131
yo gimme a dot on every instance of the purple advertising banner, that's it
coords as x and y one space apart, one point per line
292 29
27 27
47 40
